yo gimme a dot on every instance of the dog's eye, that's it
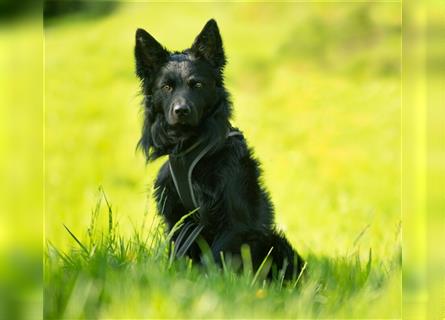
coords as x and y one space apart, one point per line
167 88
197 84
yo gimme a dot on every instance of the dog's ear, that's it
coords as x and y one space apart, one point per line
208 45
149 54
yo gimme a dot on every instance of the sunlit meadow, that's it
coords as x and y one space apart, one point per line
316 91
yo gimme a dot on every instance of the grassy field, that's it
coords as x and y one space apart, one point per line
316 91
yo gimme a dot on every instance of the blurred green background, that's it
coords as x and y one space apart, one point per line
316 90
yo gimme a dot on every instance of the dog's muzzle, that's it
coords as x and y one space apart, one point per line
181 113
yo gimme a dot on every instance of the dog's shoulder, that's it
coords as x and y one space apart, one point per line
235 155
235 147
163 173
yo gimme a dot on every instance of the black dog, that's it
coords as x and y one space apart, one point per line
210 168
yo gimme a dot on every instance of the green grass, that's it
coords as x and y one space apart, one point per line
112 276
316 91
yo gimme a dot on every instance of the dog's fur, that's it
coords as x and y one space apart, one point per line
185 100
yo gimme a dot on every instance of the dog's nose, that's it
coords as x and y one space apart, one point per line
181 109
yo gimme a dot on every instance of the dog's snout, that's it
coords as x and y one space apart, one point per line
181 109
181 112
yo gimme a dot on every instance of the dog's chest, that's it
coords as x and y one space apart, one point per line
194 174
182 172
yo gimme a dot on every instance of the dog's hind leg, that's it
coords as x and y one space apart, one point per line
284 257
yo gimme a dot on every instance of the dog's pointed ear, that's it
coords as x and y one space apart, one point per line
208 45
149 53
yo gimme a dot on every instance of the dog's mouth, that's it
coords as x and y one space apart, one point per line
181 131
182 122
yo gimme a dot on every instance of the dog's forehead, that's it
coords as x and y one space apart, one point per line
180 57
183 65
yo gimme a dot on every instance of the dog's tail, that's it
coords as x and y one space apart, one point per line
286 260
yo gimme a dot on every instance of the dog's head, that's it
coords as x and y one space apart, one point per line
184 96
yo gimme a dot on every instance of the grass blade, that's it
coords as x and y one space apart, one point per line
77 240
265 264
361 234
299 275
246 257
179 224
223 262
175 228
